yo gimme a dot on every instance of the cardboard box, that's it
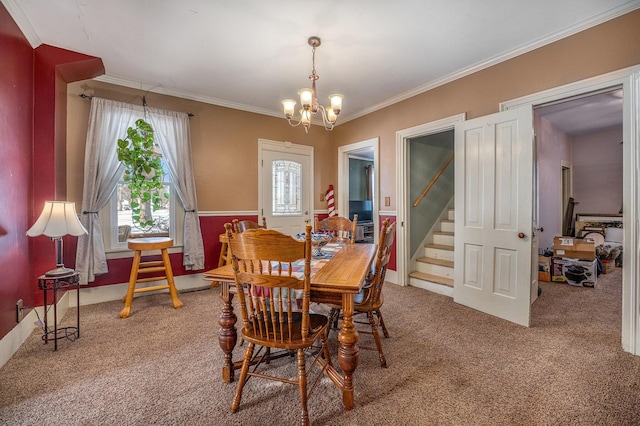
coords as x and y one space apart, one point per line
544 268
574 248
582 273
608 266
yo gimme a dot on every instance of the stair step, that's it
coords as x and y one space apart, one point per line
440 267
440 262
451 214
447 225
432 278
439 246
443 238
439 251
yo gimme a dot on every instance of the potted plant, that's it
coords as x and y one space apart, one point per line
143 174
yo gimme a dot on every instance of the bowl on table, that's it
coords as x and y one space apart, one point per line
318 240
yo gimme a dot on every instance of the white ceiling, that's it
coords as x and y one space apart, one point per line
585 114
251 54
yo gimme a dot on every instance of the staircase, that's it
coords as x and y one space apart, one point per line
435 268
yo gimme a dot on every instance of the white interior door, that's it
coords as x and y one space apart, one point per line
493 223
286 185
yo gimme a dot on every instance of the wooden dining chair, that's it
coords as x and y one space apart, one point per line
243 225
341 228
369 301
274 307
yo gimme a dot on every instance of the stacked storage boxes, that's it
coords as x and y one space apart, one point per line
574 261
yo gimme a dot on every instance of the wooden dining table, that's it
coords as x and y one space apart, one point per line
334 280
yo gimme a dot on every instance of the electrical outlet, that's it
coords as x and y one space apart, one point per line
321 197
387 201
19 310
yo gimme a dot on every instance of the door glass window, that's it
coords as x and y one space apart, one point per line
287 188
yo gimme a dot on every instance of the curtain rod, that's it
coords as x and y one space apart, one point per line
83 96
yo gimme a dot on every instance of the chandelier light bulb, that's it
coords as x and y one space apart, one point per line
336 103
305 117
306 98
331 115
289 107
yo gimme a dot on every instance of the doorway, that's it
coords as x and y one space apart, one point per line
627 80
567 194
358 190
403 199
579 160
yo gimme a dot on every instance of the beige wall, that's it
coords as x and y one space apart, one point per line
225 140
224 146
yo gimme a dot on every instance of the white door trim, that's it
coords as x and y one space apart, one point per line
402 172
629 80
343 178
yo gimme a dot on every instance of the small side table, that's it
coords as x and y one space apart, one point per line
70 281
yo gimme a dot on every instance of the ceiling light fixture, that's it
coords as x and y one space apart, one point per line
309 100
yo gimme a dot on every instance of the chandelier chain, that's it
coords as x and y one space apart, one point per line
313 75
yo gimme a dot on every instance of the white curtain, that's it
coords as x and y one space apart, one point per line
171 131
109 121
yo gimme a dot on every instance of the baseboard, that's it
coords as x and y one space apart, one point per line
12 341
391 276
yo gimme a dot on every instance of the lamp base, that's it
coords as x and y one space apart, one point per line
60 271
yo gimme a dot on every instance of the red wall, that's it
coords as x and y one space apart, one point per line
392 257
16 118
53 69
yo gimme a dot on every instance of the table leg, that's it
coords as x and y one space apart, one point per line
348 351
228 335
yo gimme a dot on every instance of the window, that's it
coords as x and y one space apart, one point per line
117 223
287 187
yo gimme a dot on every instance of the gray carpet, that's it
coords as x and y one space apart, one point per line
448 365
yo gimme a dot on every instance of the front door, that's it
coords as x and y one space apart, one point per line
285 185
493 214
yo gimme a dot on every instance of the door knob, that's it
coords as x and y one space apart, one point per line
521 235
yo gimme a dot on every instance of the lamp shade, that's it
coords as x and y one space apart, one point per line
58 218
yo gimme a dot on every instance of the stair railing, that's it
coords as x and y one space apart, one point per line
433 181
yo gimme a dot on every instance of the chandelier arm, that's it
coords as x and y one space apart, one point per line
328 125
293 123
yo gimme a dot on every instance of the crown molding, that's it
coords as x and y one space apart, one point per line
149 87
23 23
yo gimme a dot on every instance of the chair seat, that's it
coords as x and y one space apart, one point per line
317 326
368 306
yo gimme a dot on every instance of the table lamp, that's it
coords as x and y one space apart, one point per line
58 218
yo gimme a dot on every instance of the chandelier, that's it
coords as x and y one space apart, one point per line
309 100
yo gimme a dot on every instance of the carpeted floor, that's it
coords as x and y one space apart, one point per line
448 365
